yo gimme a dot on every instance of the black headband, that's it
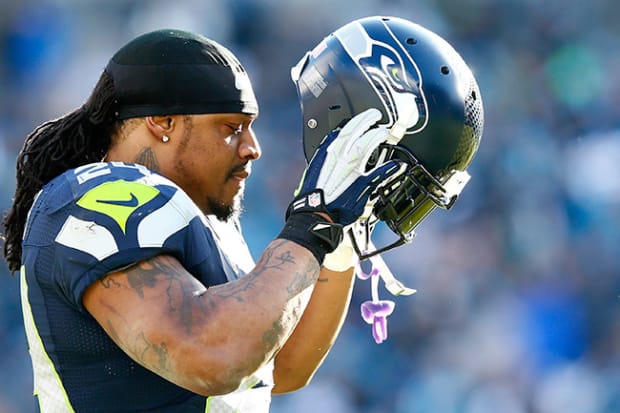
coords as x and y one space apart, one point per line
171 72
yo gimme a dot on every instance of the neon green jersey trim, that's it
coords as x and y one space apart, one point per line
118 199
41 360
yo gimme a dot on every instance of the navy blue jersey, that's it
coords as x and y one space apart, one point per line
86 223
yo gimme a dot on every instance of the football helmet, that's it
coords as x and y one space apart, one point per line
428 97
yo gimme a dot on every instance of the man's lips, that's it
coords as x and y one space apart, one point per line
242 172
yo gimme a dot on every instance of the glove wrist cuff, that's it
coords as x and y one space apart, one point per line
312 232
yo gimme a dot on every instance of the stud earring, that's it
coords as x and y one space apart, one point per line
165 138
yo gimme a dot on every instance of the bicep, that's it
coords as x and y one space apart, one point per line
149 311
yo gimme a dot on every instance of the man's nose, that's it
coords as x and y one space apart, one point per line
249 148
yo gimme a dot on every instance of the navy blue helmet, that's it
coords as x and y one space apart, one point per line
428 97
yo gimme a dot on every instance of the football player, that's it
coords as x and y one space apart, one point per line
138 290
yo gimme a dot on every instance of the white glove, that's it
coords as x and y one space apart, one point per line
337 169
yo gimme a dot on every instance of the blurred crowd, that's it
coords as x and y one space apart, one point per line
518 302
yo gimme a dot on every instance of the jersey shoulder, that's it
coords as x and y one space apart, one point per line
101 217
124 204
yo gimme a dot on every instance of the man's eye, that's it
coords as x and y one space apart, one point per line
236 129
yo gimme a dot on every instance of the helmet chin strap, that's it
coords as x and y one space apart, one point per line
394 286
360 235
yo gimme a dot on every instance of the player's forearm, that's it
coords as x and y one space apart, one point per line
277 291
315 333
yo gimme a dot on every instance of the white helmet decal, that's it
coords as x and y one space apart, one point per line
388 73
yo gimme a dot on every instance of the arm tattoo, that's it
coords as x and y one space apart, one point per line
147 158
189 293
276 257
184 298
271 337
107 281
140 279
304 278
146 350
181 295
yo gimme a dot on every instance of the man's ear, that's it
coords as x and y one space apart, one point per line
160 126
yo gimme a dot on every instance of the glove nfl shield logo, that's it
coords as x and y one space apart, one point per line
314 199
311 201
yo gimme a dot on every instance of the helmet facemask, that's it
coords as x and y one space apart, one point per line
406 201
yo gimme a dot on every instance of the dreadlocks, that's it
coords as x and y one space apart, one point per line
78 138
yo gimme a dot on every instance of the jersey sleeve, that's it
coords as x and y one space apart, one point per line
119 223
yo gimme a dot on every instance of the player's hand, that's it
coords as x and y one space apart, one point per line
336 180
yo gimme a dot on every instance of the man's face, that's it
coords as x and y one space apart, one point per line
213 159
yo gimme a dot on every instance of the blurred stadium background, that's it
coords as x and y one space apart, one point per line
518 308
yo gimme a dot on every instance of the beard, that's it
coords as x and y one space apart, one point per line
227 211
